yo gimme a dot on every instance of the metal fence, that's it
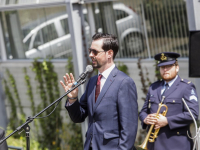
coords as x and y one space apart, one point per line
164 25
16 2
143 27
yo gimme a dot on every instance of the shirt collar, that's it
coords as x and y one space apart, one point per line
172 81
106 73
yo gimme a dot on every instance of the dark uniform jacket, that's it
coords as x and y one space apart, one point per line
174 135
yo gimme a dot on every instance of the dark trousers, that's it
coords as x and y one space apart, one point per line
90 148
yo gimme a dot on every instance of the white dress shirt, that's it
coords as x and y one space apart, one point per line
105 75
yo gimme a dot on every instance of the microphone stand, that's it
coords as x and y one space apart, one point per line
26 127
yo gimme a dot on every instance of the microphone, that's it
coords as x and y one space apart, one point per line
88 69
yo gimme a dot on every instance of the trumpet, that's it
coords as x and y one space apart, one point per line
151 136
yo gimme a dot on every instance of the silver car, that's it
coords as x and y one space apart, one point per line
52 38
130 30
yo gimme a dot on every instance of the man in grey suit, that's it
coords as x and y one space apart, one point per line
110 100
3 146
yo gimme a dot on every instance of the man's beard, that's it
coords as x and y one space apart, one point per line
97 65
168 78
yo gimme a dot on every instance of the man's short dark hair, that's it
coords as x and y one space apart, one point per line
109 42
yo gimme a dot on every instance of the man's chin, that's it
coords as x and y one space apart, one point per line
167 78
95 66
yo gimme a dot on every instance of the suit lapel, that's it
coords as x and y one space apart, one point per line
93 94
105 88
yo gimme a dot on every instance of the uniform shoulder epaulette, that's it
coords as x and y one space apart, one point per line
186 81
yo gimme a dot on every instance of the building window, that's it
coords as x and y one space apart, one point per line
37 33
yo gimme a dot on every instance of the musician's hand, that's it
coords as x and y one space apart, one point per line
150 119
161 122
68 82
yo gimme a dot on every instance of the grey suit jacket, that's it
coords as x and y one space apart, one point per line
113 119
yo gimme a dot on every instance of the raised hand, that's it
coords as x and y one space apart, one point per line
68 82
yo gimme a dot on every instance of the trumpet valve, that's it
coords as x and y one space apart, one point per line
151 140
164 113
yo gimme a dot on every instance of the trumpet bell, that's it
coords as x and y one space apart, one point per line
143 145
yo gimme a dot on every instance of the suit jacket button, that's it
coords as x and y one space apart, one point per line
173 101
178 133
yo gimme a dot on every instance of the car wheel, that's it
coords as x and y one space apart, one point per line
133 44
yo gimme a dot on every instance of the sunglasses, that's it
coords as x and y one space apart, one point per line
95 52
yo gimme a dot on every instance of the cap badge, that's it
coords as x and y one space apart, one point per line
163 57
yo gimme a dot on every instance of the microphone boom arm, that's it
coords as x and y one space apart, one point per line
26 127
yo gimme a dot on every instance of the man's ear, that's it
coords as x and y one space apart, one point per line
110 53
177 69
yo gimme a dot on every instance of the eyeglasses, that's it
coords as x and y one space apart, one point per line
167 66
95 52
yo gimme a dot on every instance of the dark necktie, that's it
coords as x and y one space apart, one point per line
98 85
166 88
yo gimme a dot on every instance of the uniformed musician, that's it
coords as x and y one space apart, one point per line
174 126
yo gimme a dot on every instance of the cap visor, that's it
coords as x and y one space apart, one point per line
166 63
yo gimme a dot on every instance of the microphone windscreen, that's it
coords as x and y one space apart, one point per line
89 68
